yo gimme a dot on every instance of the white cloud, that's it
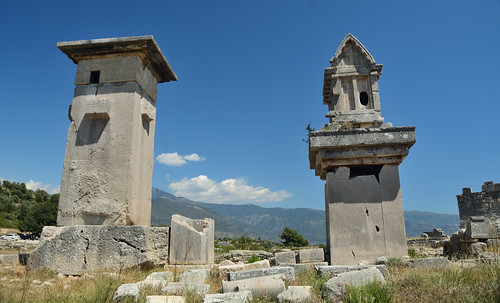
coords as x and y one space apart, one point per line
174 159
33 185
229 191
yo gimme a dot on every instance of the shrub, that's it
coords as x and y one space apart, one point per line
293 238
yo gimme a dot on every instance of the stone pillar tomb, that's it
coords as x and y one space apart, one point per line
109 158
358 155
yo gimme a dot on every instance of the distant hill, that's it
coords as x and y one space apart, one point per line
268 223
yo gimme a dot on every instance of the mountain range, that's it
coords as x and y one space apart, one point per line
250 220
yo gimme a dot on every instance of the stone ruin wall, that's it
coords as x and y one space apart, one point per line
484 203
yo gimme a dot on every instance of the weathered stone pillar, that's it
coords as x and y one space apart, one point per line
109 158
358 156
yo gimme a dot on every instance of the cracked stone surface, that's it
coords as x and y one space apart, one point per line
73 250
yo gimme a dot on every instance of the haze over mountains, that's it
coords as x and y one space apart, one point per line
267 223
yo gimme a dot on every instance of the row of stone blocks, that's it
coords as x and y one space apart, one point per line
311 255
73 250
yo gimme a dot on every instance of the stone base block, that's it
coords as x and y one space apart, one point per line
73 250
192 241
310 255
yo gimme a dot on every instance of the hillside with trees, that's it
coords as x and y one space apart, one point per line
25 209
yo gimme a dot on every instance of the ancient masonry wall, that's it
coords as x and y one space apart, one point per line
484 203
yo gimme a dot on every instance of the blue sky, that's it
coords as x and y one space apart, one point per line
250 79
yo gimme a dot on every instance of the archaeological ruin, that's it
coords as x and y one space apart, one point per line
105 204
358 155
479 221
109 158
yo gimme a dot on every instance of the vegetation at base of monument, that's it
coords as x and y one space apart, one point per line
473 282
370 293
293 238
25 209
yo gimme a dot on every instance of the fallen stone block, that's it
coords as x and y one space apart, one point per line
335 287
310 255
9 260
179 288
381 261
73 250
331 270
430 262
126 291
194 276
226 263
192 241
477 248
300 268
225 270
152 284
287 257
288 272
295 294
244 296
161 275
262 286
244 255
165 299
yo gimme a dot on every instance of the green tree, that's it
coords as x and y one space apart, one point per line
293 238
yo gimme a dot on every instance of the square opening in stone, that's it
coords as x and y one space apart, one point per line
94 76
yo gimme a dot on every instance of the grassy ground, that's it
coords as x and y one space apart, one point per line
475 282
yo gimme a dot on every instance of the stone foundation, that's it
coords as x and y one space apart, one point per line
73 250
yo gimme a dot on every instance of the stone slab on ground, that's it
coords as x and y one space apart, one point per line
331 270
194 276
73 250
126 291
178 288
302 267
310 255
295 294
225 270
161 275
430 262
9 259
165 299
288 272
288 257
192 240
244 296
262 286
335 287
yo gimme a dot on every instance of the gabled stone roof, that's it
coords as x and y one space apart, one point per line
351 38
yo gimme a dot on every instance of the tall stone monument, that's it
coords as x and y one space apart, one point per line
105 203
358 155
109 158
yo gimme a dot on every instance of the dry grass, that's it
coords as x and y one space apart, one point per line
478 282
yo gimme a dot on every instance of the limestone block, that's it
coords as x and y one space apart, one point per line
262 286
226 263
194 276
244 255
381 261
230 297
302 267
257 265
152 284
285 257
477 248
430 262
288 272
335 287
73 250
9 259
192 241
179 288
165 299
296 294
225 270
331 270
126 291
310 255
161 275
